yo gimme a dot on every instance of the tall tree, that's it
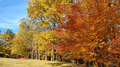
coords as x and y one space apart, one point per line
45 11
6 39
94 23
24 38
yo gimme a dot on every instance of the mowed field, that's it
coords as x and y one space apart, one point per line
7 62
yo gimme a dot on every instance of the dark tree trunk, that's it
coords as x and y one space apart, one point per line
32 53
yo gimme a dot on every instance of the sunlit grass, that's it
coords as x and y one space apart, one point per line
5 62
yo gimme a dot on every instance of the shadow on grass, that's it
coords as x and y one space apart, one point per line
55 64
59 64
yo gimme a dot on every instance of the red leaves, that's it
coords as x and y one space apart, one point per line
61 8
94 24
22 58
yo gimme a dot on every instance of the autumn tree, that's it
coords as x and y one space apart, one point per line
24 39
87 24
6 42
45 41
45 11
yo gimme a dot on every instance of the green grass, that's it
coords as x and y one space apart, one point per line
5 62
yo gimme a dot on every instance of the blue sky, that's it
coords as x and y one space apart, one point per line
11 12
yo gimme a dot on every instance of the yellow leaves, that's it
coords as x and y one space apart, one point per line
46 34
36 24
43 38
45 8
29 3
7 54
45 20
35 12
12 52
33 1
80 20
49 53
84 49
41 47
30 32
45 25
1 52
93 54
6 38
52 9
23 39
93 59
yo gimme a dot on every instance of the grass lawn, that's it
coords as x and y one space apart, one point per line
7 62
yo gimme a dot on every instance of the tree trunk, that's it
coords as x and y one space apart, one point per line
87 64
60 58
36 54
73 61
4 56
56 57
99 64
52 55
32 54
39 55
45 56
77 61
32 51
94 64
10 55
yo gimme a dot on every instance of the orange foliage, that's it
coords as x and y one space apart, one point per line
23 58
91 31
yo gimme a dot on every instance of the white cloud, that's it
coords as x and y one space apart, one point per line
9 24
11 21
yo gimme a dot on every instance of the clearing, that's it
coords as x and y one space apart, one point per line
7 62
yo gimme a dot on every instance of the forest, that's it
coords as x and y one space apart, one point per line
75 31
